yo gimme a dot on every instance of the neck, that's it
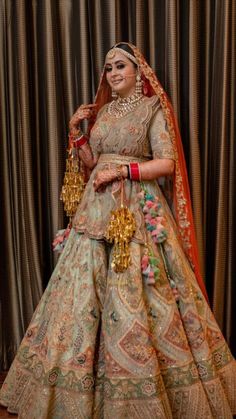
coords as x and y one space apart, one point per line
125 95
132 95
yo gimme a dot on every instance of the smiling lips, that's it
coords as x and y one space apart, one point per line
116 81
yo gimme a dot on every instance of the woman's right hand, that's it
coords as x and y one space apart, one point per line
83 112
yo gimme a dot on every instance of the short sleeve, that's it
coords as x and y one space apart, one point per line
96 134
159 137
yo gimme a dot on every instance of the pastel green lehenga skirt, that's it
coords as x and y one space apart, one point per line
107 345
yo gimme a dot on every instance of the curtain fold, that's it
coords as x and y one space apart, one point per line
230 330
224 140
194 134
172 59
51 55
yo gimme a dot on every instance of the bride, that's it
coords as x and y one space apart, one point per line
124 329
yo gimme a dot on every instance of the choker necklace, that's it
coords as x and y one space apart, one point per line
123 105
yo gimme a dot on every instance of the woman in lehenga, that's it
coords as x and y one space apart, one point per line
124 328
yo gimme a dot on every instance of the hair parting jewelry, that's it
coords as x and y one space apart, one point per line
112 53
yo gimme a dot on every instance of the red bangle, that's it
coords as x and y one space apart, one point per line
134 171
78 142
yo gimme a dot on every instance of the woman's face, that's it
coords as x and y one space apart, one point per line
121 74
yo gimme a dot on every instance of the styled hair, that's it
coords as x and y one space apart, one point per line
126 48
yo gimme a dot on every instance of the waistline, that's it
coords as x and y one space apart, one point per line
119 159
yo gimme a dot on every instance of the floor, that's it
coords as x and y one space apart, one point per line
3 412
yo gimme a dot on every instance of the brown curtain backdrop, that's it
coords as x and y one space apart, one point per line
51 55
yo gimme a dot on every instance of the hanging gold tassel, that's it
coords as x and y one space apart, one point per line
120 231
73 183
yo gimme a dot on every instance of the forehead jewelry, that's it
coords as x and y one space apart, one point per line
111 54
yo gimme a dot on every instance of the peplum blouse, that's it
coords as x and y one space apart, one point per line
140 135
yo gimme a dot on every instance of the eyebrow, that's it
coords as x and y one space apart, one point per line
116 62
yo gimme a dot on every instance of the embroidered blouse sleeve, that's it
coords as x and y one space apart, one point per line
159 137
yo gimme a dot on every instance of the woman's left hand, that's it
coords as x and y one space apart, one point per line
103 177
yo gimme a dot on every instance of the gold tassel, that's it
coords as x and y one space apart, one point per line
120 230
73 183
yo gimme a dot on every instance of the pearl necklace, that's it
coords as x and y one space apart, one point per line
123 105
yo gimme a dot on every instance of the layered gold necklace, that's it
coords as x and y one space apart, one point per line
124 105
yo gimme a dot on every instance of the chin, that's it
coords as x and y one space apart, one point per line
123 93
118 91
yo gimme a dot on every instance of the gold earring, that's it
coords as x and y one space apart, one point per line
114 95
139 84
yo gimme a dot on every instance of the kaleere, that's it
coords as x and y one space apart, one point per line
71 193
120 231
73 184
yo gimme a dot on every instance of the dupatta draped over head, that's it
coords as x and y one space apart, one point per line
181 202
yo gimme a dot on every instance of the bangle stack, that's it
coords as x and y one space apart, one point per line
79 141
134 171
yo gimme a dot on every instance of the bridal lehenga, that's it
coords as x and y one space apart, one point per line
106 344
